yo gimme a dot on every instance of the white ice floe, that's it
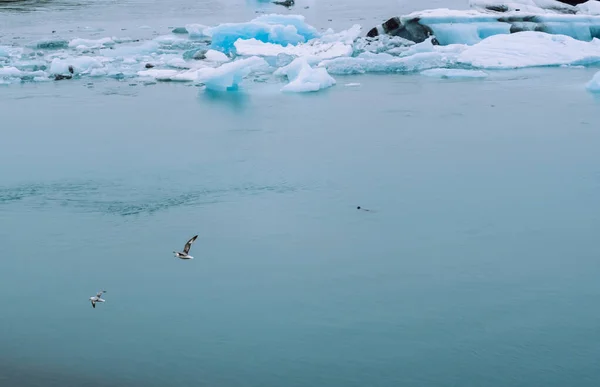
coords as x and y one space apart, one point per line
304 78
10 72
91 43
80 64
530 49
313 52
454 73
216 56
196 30
229 75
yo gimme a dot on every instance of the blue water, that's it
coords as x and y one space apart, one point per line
476 267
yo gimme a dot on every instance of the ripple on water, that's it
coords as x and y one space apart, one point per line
117 199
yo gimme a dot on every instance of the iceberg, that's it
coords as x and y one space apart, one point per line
530 49
304 78
488 18
279 29
229 75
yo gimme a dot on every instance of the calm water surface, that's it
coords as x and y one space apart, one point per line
477 267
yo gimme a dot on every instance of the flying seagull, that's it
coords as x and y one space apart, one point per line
97 298
186 249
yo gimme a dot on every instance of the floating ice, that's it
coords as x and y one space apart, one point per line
229 75
195 30
594 84
352 84
10 72
528 49
370 62
91 43
216 56
346 37
279 29
159 75
454 73
535 6
304 78
313 51
81 64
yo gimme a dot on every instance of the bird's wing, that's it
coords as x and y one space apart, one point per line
99 294
93 304
188 245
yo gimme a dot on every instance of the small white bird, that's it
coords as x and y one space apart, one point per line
97 298
186 249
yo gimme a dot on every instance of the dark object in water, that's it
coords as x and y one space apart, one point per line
149 65
411 30
285 3
60 77
71 69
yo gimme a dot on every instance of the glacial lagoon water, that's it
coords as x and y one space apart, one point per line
476 267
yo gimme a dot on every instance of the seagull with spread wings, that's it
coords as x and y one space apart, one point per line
97 298
186 249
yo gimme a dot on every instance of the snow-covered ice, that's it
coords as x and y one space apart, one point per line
304 78
529 49
229 75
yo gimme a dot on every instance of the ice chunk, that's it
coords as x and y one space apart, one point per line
279 29
304 78
591 7
370 62
10 72
179 63
352 84
527 49
315 49
81 64
159 75
91 43
594 84
347 36
454 73
229 75
534 6
195 30
216 56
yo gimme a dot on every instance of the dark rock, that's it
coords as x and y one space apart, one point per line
149 65
285 3
411 30
60 77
